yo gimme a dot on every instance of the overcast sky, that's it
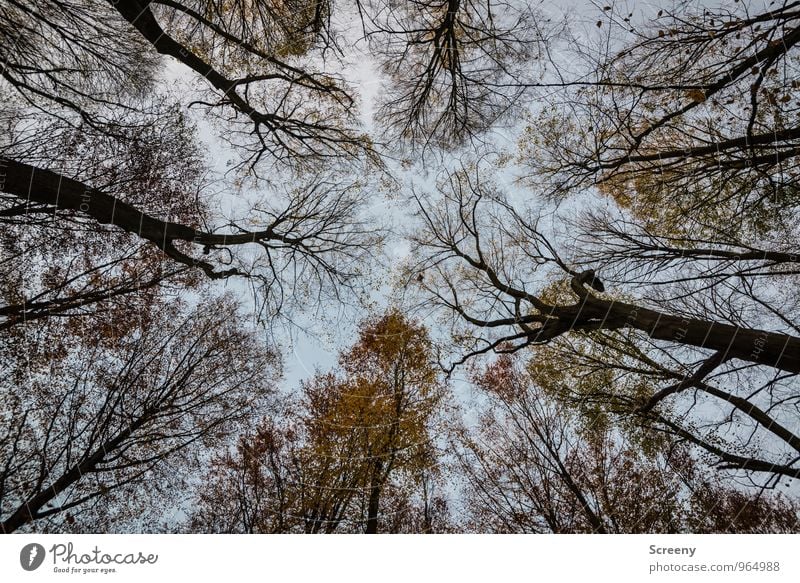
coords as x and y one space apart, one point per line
306 352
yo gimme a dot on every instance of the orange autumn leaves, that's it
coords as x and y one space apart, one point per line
361 449
350 454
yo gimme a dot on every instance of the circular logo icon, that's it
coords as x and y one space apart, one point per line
31 556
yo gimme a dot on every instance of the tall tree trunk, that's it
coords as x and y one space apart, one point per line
773 349
31 509
373 505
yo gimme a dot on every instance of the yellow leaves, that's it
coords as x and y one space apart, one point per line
293 47
620 190
557 293
377 410
389 346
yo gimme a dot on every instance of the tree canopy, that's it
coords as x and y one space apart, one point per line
592 230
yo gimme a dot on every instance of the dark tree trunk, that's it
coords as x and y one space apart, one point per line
373 505
31 509
773 349
46 191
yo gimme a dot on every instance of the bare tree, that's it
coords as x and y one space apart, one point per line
89 58
455 66
63 265
695 107
120 405
500 276
311 238
535 464
65 57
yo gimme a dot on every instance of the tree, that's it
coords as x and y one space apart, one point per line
687 124
498 273
667 300
535 464
697 97
109 156
456 66
252 489
453 235
72 58
106 220
107 388
356 455
312 240
92 424
63 265
90 51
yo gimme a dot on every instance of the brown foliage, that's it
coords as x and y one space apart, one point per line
105 427
535 465
354 454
